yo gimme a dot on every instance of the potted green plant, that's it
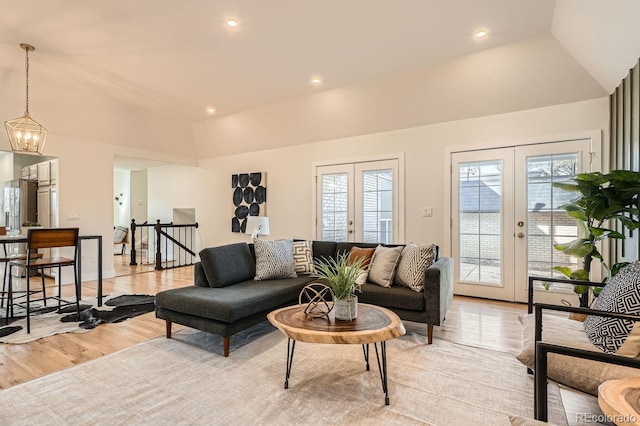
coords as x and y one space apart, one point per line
341 274
602 198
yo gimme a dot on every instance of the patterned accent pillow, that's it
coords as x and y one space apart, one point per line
274 259
383 265
414 261
622 295
303 256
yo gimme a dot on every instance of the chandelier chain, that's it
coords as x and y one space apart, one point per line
26 72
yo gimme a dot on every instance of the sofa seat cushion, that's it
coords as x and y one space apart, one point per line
392 297
582 374
232 303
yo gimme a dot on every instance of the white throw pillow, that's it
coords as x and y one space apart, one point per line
362 275
274 259
383 265
303 257
414 261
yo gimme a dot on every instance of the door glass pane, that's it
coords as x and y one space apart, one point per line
334 207
546 223
480 218
377 209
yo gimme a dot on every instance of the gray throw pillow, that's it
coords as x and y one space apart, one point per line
383 265
414 261
620 295
274 259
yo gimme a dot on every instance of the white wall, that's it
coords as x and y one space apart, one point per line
139 197
86 190
121 185
185 187
289 169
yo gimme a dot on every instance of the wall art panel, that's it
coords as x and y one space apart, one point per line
249 198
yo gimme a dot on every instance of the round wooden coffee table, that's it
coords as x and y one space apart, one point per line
620 401
374 325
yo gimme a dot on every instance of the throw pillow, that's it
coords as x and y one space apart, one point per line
414 261
274 259
621 295
362 276
303 257
383 265
357 253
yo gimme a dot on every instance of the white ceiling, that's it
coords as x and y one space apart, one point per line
103 63
180 56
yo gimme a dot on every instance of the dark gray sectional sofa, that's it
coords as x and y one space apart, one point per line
226 299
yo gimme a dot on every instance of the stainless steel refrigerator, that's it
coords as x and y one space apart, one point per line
20 203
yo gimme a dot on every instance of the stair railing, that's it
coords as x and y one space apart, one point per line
165 244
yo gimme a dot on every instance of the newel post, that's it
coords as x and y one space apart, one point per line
133 243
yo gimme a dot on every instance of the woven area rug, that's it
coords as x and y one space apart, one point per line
184 380
47 321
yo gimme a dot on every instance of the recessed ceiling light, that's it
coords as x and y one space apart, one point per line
481 34
232 23
316 81
211 110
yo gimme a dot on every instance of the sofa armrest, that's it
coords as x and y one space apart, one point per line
533 279
542 350
438 290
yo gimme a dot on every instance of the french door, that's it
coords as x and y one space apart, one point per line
506 216
358 202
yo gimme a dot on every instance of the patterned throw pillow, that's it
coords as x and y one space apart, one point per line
303 256
621 295
274 259
414 261
383 265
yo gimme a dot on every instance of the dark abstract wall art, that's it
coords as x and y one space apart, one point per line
249 198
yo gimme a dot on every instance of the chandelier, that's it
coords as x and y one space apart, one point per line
26 135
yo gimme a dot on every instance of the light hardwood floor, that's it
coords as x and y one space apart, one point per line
475 322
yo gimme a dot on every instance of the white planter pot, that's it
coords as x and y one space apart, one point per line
346 309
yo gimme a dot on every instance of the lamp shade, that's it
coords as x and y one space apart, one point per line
257 225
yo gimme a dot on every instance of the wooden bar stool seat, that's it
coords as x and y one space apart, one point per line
45 238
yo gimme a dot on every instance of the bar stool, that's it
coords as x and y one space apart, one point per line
43 238
5 258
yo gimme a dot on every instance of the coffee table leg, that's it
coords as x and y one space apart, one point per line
291 346
365 349
383 369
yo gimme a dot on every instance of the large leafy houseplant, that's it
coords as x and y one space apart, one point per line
602 199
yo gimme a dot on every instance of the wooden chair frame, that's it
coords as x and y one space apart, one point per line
46 238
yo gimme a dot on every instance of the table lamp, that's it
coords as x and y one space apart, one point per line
257 225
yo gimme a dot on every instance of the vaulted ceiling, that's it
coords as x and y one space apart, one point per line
141 73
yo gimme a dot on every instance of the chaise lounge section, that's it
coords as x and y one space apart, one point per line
226 299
